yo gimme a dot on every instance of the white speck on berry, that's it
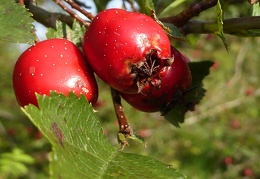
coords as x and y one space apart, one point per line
32 70
85 90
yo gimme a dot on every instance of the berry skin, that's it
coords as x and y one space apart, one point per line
53 65
126 49
175 80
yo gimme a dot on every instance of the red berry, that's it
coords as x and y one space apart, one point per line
235 124
248 172
56 65
126 49
249 91
228 160
11 132
175 81
38 135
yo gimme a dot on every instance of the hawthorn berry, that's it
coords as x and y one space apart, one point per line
53 65
175 81
127 50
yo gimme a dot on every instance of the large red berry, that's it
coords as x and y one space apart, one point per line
56 65
176 79
127 49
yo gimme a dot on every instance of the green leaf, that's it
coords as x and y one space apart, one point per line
170 9
146 6
220 32
16 23
80 149
73 34
199 70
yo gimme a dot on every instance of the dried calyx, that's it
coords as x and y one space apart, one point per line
146 73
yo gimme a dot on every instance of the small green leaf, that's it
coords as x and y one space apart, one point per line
73 34
16 23
256 9
174 31
220 32
170 9
80 149
199 70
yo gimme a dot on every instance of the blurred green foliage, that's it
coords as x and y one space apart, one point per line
220 139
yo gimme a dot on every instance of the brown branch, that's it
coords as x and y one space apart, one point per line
236 26
194 10
80 9
72 13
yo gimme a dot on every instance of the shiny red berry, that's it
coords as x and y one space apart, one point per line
53 65
127 49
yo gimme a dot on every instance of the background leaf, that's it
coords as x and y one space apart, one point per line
170 9
79 147
101 5
15 23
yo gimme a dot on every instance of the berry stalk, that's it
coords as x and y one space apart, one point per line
124 127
